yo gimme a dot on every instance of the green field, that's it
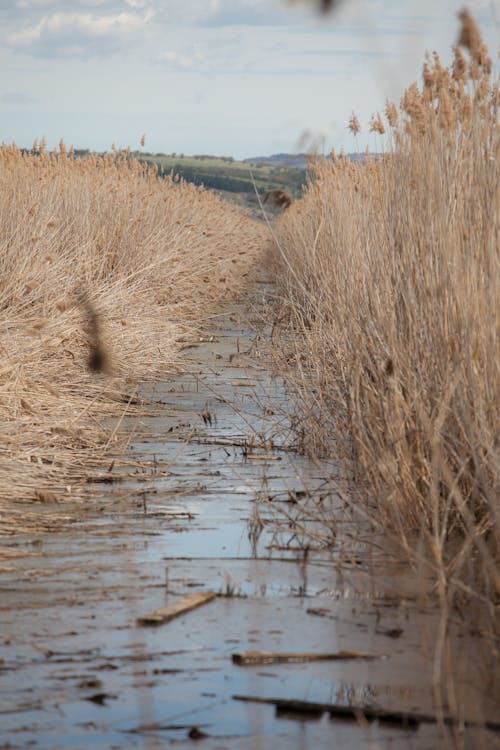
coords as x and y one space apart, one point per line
236 181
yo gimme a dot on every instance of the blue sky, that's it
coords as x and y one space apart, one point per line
235 77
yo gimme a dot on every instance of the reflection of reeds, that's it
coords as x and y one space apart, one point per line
154 253
390 274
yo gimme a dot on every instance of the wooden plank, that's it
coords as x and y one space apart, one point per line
179 607
248 658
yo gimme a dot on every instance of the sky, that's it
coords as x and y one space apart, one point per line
227 77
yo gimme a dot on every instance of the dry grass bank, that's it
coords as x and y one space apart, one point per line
389 273
103 266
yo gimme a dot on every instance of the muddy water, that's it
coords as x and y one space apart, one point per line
213 464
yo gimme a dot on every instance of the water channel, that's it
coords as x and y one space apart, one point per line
209 506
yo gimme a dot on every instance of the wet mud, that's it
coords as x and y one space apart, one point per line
208 510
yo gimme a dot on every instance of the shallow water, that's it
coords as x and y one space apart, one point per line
77 671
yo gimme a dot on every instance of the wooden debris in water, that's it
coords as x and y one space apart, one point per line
100 698
188 602
249 658
406 719
391 632
197 734
263 457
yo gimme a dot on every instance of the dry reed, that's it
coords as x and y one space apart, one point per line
103 266
388 273
389 276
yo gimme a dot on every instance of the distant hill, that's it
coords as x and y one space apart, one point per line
295 161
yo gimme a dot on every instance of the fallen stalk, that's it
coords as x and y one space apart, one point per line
403 718
250 658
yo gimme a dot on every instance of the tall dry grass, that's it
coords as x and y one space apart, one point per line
103 266
389 273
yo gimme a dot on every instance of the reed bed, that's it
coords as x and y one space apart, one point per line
103 268
388 275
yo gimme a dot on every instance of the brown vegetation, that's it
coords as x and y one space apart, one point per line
389 272
103 266
389 275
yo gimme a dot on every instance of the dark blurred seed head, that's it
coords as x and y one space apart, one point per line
98 359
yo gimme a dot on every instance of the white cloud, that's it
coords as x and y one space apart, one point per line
220 13
74 34
23 4
33 4
181 60
136 3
